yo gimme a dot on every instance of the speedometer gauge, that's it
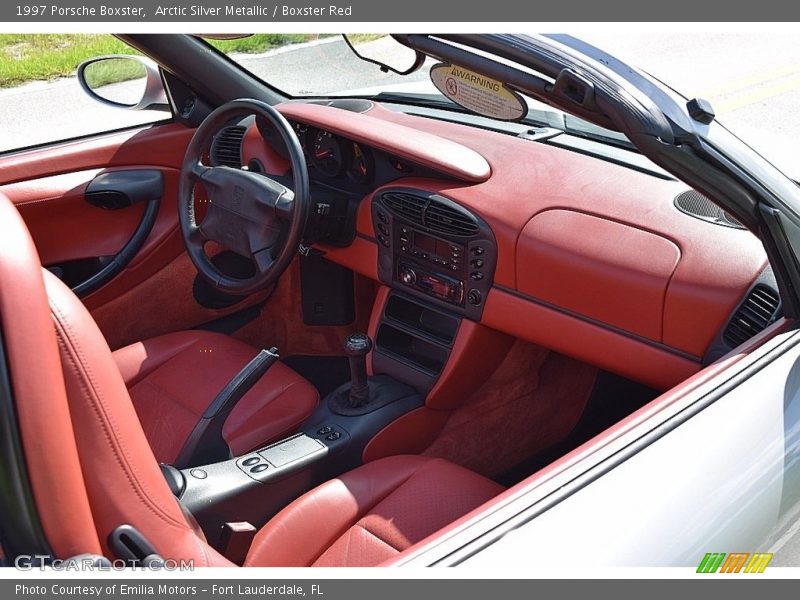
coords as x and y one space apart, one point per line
327 154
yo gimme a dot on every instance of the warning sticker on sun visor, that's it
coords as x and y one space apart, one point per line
478 93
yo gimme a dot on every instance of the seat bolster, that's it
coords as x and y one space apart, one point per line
126 485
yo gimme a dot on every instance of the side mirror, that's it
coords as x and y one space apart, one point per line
131 82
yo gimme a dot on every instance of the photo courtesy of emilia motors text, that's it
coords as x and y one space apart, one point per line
352 299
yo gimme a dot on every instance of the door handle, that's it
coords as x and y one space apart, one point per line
119 189
115 190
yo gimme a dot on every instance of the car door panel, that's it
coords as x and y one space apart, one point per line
48 187
65 227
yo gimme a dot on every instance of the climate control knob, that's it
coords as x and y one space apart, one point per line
408 276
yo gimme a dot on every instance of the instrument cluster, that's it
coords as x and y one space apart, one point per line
334 156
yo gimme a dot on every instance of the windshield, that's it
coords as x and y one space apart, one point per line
751 79
314 65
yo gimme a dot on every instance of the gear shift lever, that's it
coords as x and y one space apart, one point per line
356 346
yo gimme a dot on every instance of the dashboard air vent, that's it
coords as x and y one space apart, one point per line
432 213
407 206
694 204
758 310
226 150
446 219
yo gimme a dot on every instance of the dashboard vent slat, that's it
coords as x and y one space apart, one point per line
406 205
431 213
759 309
445 219
226 150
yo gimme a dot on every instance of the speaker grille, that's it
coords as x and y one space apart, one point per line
694 204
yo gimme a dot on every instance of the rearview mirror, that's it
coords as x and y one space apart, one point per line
385 51
131 82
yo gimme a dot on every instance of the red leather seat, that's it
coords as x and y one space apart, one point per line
370 514
92 468
173 378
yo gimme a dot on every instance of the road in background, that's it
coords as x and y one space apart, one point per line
752 80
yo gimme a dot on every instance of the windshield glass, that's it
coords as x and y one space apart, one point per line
751 79
315 65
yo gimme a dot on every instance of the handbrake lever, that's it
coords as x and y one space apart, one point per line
205 445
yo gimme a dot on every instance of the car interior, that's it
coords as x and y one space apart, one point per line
323 332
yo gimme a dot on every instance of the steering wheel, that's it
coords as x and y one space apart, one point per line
247 213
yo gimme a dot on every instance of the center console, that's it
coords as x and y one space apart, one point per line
432 248
253 487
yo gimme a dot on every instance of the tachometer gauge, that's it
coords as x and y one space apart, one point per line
327 154
360 170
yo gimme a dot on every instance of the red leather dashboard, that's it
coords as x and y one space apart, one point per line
593 258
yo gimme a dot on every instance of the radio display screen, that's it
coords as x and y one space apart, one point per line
431 245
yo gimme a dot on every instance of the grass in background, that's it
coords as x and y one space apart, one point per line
113 71
360 38
33 57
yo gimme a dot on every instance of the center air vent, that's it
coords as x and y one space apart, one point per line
437 215
696 205
226 150
758 310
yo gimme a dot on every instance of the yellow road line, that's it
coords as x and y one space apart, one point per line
757 95
736 85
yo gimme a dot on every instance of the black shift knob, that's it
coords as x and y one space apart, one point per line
356 346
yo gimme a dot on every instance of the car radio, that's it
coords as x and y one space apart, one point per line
432 247
436 285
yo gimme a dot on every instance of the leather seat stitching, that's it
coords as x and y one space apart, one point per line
376 536
109 429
